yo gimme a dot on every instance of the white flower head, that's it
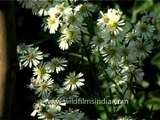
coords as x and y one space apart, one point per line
52 24
117 81
64 45
133 73
85 9
67 94
44 87
57 11
144 30
131 37
72 114
73 81
111 54
97 43
38 107
72 18
32 57
111 20
33 83
41 71
22 48
69 35
142 48
55 104
57 64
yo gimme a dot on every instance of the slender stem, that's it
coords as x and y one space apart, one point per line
117 88
43 40
94 76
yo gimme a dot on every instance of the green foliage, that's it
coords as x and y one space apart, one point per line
156 60
140 6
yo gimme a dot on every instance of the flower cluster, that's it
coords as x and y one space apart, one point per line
44 85
120 46
70 20
122 50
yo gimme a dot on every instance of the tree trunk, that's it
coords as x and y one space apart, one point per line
7 57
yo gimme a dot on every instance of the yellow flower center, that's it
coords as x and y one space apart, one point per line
112 23
69 34
56 63
30 56
67 93
117 79
143 28
43 86
38 107
50 21
83 8
40 71
73 80
71 19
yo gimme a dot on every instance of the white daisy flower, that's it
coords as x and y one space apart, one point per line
73 19
32 57
131 37
85 9
67 94
55 104
133 73
57 11
111 54
144 30
22 48
41 71
152 16
52 24
97 43
142 48
64 45
38 107
69 35
112 21
72 114
73 81
44 87
117 81
33 83
57 64
111 38
114 15
113 70
102 22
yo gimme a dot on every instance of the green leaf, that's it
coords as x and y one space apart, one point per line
156 60
145 84
154 102
140 6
